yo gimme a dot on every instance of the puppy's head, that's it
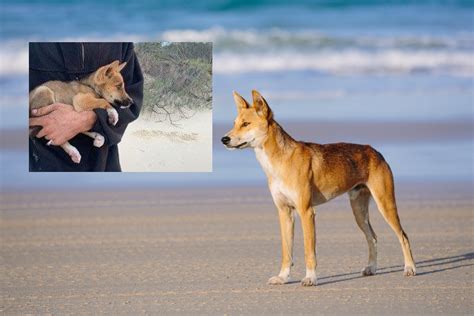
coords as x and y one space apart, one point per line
109 85
251 124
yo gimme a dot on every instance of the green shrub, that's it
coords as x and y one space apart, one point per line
178 79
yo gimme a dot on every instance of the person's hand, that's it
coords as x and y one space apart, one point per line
60 122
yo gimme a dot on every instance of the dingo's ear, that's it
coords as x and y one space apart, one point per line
240 102
261 106
114 64
109 69
121 66
102 72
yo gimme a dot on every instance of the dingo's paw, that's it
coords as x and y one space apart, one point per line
369 270
309 281
409 271
99 140
113 116
75 155
277 280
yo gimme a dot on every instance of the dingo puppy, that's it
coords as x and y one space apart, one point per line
302 175
103 89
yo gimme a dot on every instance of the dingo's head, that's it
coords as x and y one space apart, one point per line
251 125
108 83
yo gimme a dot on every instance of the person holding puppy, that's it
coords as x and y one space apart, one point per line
59 123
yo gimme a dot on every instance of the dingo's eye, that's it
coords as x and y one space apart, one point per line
119 86
245 124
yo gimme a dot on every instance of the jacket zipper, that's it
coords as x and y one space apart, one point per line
82 55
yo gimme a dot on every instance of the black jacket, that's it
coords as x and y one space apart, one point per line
74 61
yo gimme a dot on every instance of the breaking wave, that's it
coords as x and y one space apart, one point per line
349 62
273 50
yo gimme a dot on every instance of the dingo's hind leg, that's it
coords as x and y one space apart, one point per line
41 96
98 139
360 198
72 152
38 98
381 186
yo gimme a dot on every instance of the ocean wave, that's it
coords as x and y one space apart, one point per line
276 49
276 38
239 51
348 62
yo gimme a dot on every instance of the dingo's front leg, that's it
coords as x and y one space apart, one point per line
113 115
87 101
307 215
287 224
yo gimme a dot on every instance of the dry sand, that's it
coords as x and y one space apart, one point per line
150 146
211 251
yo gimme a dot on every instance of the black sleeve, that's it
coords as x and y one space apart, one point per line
133 79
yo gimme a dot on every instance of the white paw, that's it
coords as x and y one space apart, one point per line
113 116
309 281
369 270
277 280
75 155
409 271
99 140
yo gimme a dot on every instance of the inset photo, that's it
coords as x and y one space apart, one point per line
139 107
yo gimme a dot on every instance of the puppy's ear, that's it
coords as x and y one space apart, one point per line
101 73
121 66
261 106
240 102
113 66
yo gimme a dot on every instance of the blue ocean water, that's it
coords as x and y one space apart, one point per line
313 60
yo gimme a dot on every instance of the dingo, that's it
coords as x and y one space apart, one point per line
302 175
104 89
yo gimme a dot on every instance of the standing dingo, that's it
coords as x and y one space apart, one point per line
302 175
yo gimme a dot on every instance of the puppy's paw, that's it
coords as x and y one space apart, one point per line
75 155
409 271
99 140
309 281
369 270
113 116
276 280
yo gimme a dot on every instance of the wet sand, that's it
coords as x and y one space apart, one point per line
326 132
211 251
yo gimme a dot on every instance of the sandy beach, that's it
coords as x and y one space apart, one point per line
211 251
150 146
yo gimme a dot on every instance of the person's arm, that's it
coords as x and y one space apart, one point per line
133 78
60 122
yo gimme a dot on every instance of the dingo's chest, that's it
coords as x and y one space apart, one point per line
281 192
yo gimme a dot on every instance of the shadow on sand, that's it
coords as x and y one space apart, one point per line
423 267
